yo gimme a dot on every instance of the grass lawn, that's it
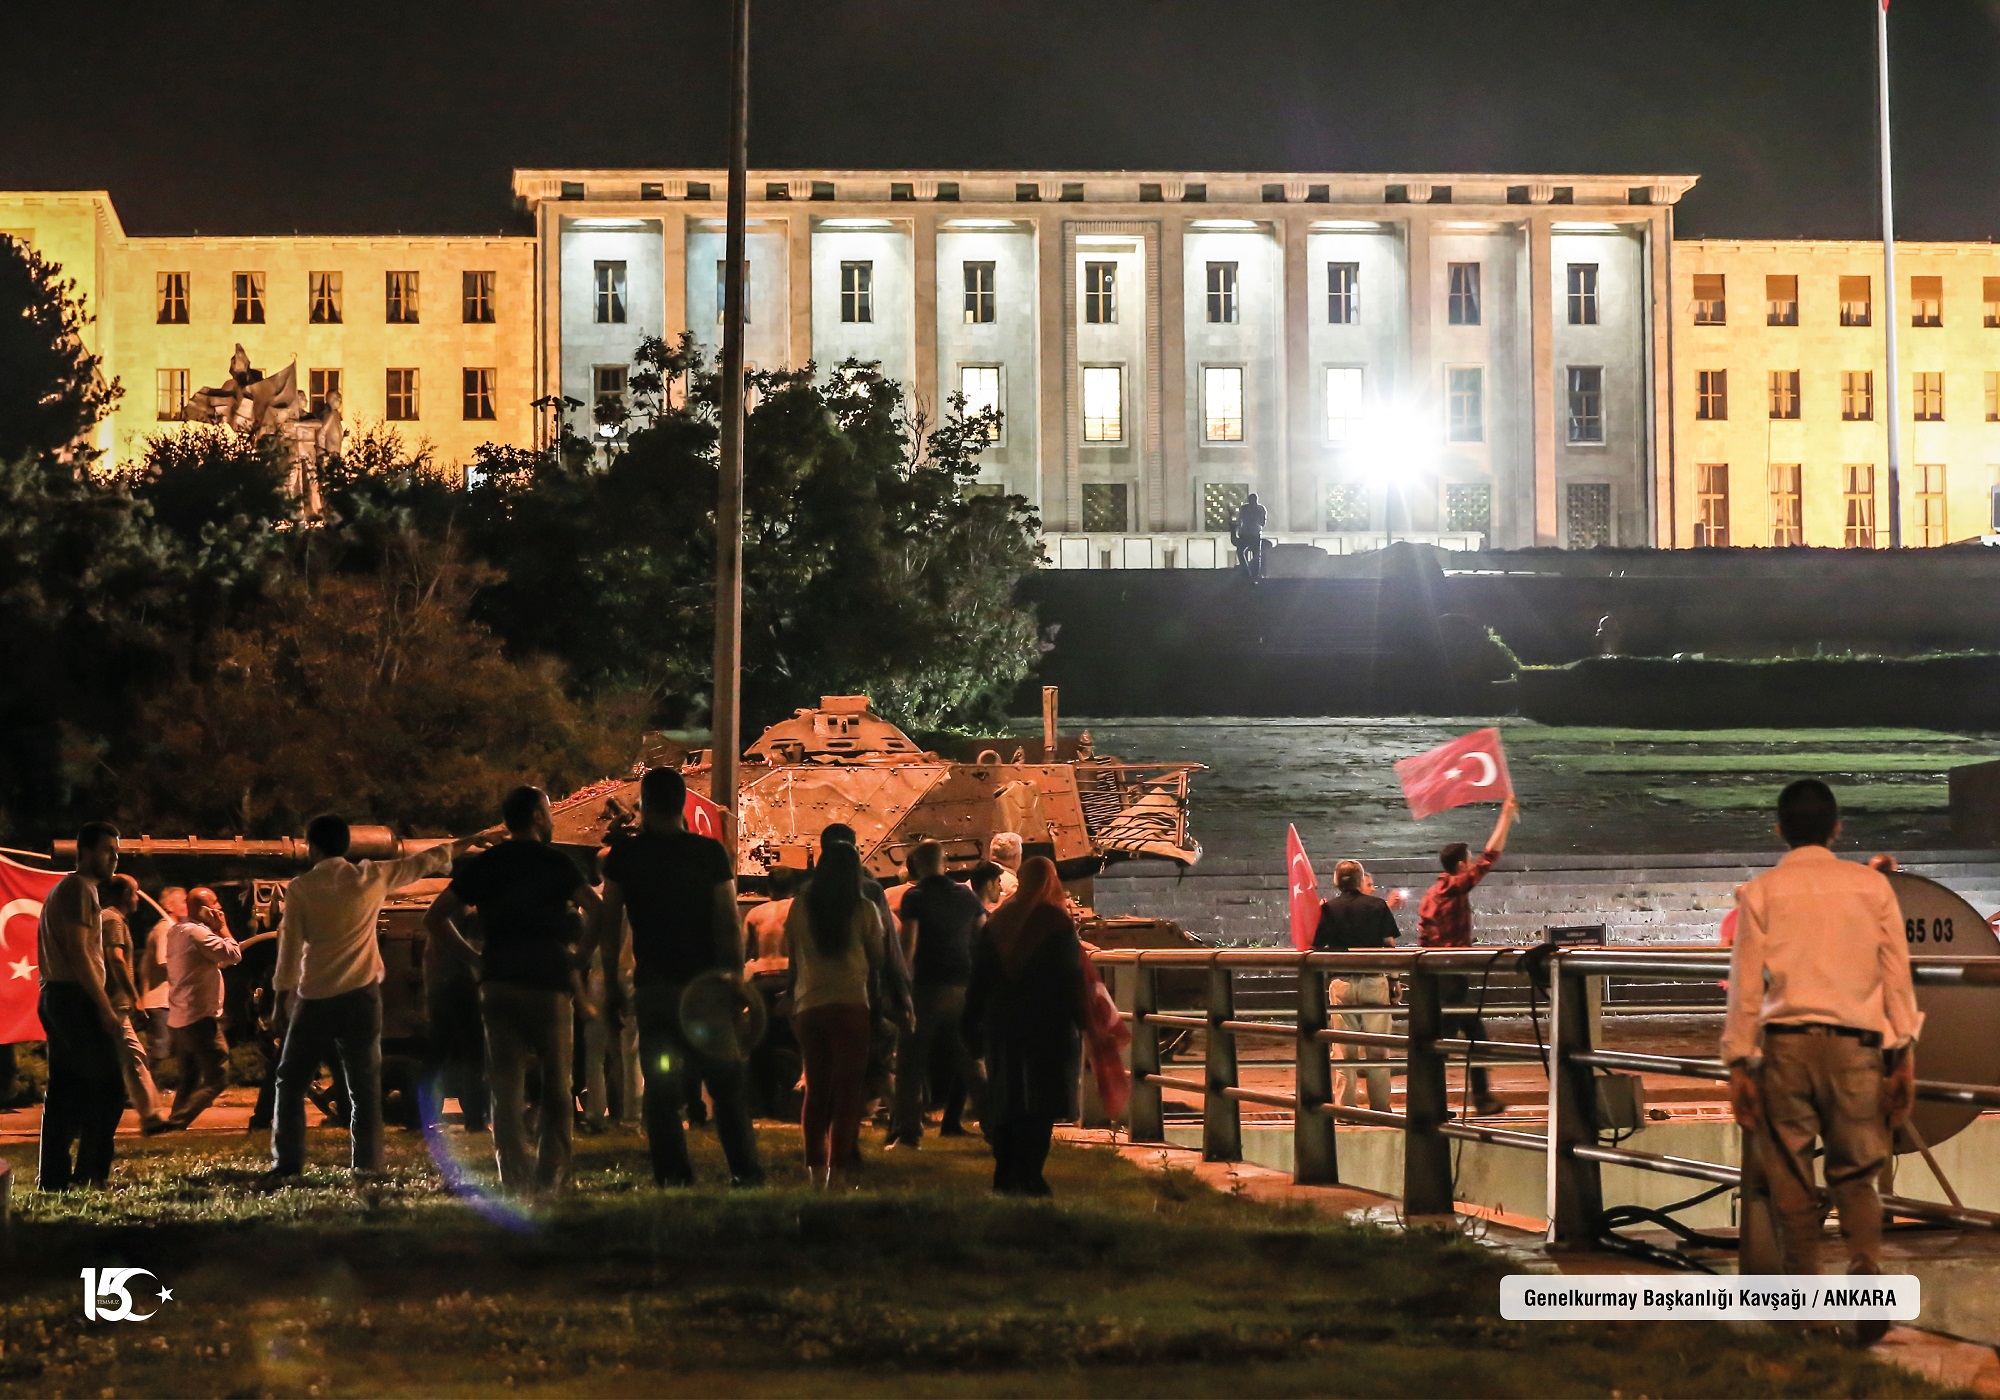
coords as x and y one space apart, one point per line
1776 760
1130 1283
1854 797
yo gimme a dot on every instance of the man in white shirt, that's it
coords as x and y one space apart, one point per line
329 984
155 986
1820 1039
198 948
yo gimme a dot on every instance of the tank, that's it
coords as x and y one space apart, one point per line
839 761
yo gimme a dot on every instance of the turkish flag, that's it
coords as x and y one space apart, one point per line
1468 769
704 818
22 890
1304 891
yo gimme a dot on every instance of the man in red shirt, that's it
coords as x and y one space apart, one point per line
1444 920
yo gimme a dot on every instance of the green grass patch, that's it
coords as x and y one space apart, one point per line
1854 797
922 1283
1801 762
1530 733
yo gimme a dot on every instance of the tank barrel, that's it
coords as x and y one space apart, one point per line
365 843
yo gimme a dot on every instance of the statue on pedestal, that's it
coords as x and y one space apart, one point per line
259 405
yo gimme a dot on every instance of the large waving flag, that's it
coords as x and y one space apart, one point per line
22 890
1304 891
1471 768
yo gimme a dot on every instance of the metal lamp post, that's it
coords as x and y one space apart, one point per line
725 722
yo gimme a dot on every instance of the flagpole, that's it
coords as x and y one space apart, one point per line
1890 398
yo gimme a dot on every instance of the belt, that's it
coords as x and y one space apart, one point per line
1871 1039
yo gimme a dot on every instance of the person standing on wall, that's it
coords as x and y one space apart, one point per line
86 1093
1358 919
329 985
940 921
529 985
1820 1041
679 890
198 948
1444 920
1248 537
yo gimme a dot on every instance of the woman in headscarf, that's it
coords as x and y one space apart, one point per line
1026 1001
833 938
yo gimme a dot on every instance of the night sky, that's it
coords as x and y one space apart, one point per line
362 116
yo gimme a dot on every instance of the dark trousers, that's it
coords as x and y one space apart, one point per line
203 1054
348 1026
524 1023
86 1093
833 1042
456 1066
939 1036
670 1064
1250 555
1458 991
1020 1151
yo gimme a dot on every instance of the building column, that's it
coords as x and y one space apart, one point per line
1055 348
1295 393
1177 484
548 273
926 375
798 290
1542 341
1421 389
1659 484
673 277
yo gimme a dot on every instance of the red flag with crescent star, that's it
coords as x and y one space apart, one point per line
22 890
704 818
1304 891
1472 768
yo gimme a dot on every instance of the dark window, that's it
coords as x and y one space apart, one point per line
1518 194
1563 194
1150 194
1343 293
947 191
1711 402
1639 194
1462 303
1586 404
1784 393
400 298
1222 305
1274 194
857 292
980 305
1072 193
1027 192
1100 293
608 308
901 190
172 308
477 298
1195 194
401 404
248 308
1440 194
1583 294
650 189
698 189
1395 194
822 189
1319 194
572 189
777 189
478 395
323 291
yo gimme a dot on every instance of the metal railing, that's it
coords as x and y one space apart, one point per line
1564 1009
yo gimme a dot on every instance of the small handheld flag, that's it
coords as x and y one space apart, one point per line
1472 768
1304 891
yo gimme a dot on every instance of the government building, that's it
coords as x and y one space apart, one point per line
1474 360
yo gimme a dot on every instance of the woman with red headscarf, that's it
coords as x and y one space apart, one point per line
1026 1001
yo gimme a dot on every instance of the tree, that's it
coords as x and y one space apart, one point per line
52 388
868 566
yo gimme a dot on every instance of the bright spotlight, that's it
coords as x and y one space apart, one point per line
1393 442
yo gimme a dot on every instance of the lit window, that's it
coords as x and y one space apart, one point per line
1992 397
1222 403
324 289
1784 393
1857 297
170 388
1711 505
1928 399
608 293
1465 405
1588 506
321 385
1220 502
476 290
1991 294
1781 301
1100 293
402 298
1222 309
173 299
857 292
479 395
1927 301
1103 403
1930 503
248 298
1468 506
1787 513
1860 530
980 384
1104 507
1462 302
1586 404
979 294
402 397
1343 402
1711 400
1347 506
1343 293
1710 306
1857 395
1583 294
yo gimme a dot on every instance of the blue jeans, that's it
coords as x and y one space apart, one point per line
348 1026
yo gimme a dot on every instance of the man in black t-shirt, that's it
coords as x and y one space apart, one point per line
524 889
1356 920
939 919
679 892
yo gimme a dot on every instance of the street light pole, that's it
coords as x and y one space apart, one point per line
725 742
1891 397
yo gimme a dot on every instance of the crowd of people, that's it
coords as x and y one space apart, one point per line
969 996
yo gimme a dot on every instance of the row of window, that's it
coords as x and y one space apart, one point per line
325 298
1785 483
1857 395
1466 507
401 393
1781 300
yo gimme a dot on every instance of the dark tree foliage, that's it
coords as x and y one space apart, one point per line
52 388
868 566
